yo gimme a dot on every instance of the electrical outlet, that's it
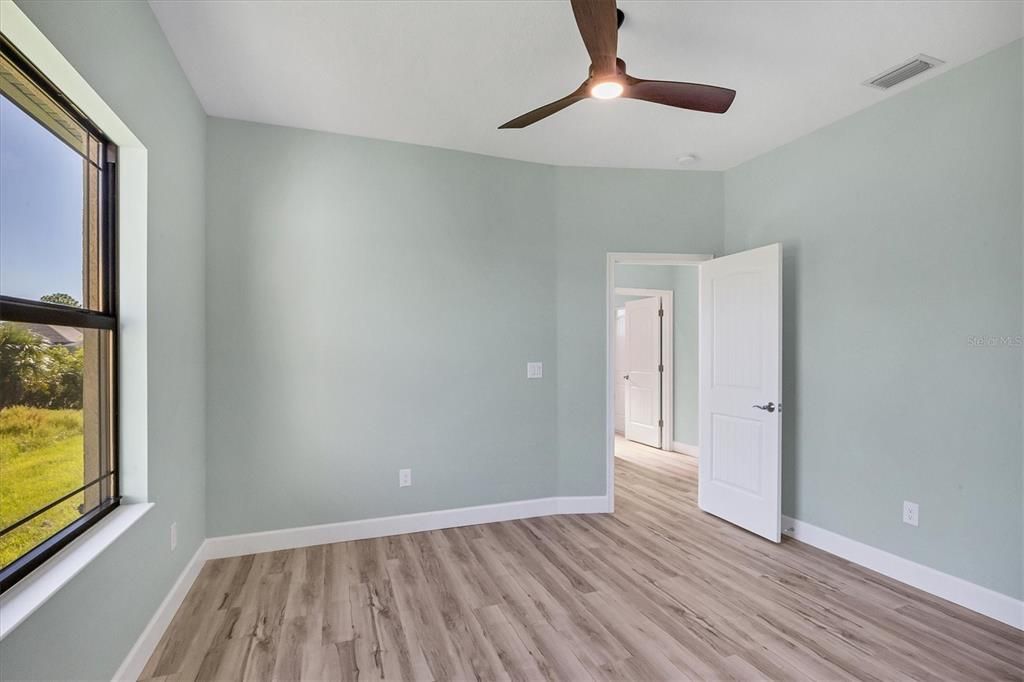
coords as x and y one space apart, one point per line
404 478
534 370
910 513
174 536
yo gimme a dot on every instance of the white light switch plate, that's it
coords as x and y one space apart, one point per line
404 478
911 513
534 370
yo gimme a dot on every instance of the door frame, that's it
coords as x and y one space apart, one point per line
667 384
625 258
620 316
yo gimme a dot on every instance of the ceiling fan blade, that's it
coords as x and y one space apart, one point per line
539 113
696 96
599 26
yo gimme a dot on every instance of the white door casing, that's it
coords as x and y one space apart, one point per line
740 473
620 370
643 371
611 260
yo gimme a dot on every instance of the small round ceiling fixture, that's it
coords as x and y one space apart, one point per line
687 159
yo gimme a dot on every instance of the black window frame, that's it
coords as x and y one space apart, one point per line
14 309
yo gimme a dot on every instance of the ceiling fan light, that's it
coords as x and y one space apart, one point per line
606 90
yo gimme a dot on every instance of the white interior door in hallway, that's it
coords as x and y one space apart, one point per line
643 409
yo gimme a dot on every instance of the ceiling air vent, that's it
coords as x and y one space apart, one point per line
904 71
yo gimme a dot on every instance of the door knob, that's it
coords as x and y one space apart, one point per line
626 377
770 407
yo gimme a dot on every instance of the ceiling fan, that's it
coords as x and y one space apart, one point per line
599 21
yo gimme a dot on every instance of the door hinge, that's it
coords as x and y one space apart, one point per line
661 422
661 368
661 312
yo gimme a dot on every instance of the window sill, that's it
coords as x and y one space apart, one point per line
21 600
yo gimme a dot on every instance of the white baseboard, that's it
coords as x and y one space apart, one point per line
597 504
685 449
957 590
290 538
144 646
306 536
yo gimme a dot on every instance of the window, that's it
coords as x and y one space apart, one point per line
58 320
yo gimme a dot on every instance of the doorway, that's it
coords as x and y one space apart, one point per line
644 353
738 350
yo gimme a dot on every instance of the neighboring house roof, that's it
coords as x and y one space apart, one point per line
57 335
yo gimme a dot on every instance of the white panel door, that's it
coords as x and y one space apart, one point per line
740 473
620 370
643 374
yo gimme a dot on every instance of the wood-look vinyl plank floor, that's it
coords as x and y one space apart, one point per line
657 591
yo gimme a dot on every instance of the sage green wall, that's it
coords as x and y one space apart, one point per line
682 280
901 228
457 255
87 628
373 306
377 265
598 211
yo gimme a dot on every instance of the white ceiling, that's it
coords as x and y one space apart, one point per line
447 74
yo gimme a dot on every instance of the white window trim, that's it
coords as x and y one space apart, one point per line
32 591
